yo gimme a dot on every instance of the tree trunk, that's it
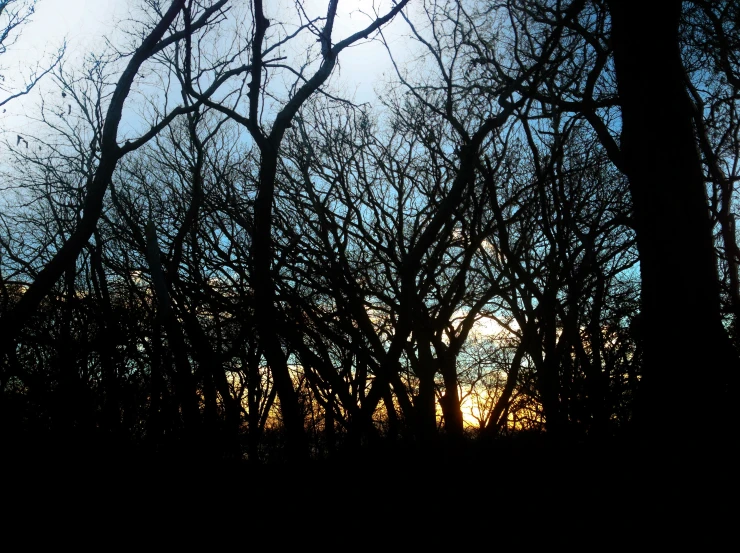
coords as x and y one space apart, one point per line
425 404
266 315
185 387
548 367
688 356
450 402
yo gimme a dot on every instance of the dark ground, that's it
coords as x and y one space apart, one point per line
617 490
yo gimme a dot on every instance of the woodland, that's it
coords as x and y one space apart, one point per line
526 240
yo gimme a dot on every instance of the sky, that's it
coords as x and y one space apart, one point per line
82 22
85 23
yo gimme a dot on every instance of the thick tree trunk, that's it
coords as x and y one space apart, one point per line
329 432
548 367
266 315
450 402
424 403
251 360
688 357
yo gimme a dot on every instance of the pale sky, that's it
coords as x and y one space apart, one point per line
82 23
85 24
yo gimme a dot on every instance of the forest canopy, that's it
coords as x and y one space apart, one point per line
207 243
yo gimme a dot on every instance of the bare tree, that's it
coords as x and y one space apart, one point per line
602 78
264 46
109 152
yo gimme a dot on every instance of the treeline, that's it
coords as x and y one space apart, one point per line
523 235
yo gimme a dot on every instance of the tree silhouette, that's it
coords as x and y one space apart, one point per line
209 253
672 223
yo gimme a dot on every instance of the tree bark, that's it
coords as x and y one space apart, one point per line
688 356
267 319
450 402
